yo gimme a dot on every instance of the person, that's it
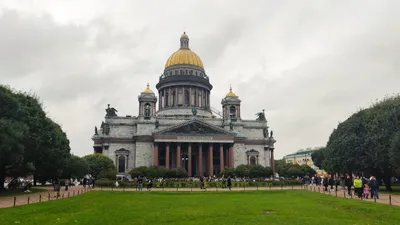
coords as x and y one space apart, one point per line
366 191
223 182
374 185
357 183
349 184
66 184
201 183
229 183
326 183
57 187
84 182
204 183
150 185
140 183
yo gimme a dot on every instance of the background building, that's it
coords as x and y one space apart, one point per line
303 157
178 128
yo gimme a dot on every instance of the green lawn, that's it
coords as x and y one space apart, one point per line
19 191
150 208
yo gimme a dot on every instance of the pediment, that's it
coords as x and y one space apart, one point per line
195 127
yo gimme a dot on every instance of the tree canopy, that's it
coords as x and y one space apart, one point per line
293 170
30 142
367 142
100 166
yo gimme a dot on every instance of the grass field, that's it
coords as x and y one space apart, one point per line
263 207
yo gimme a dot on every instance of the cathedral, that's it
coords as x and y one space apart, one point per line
178 128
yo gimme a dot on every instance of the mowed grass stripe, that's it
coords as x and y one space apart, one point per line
263 207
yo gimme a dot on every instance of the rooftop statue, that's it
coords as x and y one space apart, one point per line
261 116
110 111
194 111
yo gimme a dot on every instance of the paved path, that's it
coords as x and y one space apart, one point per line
6 202
45 196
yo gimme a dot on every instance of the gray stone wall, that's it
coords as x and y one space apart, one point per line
144 154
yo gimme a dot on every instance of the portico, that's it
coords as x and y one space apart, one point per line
199 147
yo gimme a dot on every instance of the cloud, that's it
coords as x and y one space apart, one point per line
308 65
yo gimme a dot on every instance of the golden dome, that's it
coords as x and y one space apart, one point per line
230 94
184 55
148 90
184 35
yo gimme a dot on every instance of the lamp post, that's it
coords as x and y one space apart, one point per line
185 158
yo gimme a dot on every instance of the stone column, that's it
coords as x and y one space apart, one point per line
160 100
178 156
221 158
190 160
248 160
231 158
116 162
272 161
257 160
167 155
210 160
201 160
126 161
155 154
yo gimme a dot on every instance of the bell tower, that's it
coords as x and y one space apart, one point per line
147 103
231 107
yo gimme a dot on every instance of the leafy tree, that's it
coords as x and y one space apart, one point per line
259 171
76 167
365 142
101 166
177 173
12 133
294 171
228 172
318 158
394 151
242 171
307 170
141 171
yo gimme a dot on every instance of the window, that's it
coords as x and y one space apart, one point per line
166 99
173 98
187 97
253 160
232 112
180 96
121 164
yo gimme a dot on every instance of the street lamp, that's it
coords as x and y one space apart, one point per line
184 159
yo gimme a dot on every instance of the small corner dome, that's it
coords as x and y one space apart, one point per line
148 90
230 94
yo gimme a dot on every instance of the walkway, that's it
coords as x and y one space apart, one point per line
6 202
45 196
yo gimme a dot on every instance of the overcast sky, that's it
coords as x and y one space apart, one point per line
309 64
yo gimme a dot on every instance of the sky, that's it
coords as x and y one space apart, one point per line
309 64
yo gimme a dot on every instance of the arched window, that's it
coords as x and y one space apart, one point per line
232 112
121 164
187 97
147 109
252 160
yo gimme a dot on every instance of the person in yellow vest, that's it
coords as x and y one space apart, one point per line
358 186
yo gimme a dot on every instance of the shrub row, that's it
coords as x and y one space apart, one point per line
195 184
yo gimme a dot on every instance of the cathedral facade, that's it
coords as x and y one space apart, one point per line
178 128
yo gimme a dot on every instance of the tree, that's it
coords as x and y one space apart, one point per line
12 133
101 166
141 171
394 151
228 172
242 171
259 171
318 158
76 167
365 142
